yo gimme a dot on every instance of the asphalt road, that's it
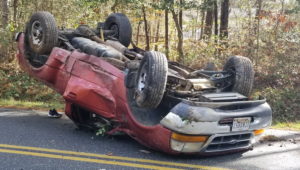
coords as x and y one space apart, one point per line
31 140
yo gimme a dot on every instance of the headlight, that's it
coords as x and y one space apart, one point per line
258 132
187 143
257 135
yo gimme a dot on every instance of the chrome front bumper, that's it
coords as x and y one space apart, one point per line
208 119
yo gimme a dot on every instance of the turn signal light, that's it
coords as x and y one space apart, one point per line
258 132
187 138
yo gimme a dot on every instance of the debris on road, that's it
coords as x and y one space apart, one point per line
270 138
145 151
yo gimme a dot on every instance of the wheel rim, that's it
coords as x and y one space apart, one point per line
142 80
231 70
36 33
115 28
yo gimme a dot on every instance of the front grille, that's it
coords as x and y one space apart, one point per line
230 142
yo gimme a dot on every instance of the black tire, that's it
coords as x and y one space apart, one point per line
121 24
41 33
242 69
151 80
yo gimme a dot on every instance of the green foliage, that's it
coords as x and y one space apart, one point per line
17 85
295 9
102 130
171 4
285 103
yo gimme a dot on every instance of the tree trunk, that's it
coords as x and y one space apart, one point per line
138 33
257 29
167 32
157 35
202 23
146 29
5 12
180 13
179 35
208 20
15 4
216 18
224 19
194 31
177 17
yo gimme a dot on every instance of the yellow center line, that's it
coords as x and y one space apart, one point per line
113 157
45 155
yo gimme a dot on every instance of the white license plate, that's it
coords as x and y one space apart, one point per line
241 124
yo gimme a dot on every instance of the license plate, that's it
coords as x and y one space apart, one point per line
241 124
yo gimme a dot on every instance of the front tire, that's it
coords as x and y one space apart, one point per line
242 69
151 80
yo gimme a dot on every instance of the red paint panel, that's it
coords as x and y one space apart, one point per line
52 73
95 74
90 96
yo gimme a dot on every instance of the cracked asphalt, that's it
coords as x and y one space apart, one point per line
31 140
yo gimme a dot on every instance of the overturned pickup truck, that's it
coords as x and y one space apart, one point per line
161 104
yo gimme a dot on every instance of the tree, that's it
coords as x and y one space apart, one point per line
257 27
167 32
157 34
176 7
146 29
15 6
208 19
216 18
224 19
138 33
202 21
177 17
5 12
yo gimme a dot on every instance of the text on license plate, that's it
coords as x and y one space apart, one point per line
241 123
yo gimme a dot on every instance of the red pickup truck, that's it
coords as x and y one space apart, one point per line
161 104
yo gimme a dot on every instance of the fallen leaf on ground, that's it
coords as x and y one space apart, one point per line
109 154
144 151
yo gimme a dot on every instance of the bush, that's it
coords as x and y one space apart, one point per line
285 103
16 84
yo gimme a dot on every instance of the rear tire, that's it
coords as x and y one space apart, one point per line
41 33
122 27
151 80
242 69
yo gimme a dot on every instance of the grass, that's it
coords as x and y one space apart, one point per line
287 125
34 105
